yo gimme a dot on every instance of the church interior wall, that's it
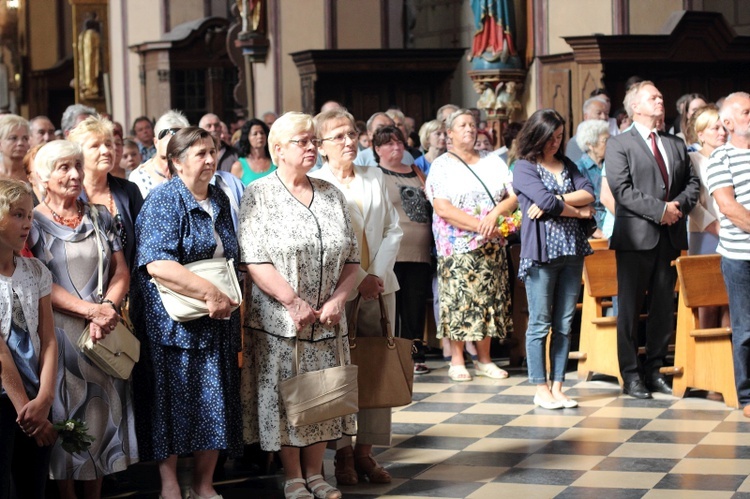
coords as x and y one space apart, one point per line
43 40
566 19
647 17
358 24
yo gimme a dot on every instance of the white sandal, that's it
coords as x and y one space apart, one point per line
323 489
490 370
459 373
300 493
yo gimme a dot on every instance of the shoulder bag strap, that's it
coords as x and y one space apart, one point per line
419 174
475 175
94 212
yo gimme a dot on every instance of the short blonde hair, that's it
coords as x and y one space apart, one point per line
48 156
455 115
702 118
11 192
426 130
286 127
324 119
93 125
8 122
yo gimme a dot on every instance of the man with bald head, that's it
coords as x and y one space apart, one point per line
595 108
365 157
41 131
227 155
728 171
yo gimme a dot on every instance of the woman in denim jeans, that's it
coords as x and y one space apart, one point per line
553 195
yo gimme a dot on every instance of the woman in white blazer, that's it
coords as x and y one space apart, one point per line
375 223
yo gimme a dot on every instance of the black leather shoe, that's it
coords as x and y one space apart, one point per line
636 389
659 385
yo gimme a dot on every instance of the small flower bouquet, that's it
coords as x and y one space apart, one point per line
509 225
74 435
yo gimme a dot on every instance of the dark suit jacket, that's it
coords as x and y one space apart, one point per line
638 189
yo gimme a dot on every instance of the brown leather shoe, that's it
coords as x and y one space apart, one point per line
746 411
367 466
343 465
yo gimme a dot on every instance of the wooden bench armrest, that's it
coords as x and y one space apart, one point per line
604 321
714 332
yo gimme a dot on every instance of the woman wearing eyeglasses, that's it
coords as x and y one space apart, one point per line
155 171
255 160
121 197
375 223
298 246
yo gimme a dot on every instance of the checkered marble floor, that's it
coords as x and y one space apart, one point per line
485 439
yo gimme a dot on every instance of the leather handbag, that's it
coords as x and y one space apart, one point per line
318 396
116 353
386 368
219 272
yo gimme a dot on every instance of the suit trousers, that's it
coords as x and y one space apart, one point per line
639 272
373 425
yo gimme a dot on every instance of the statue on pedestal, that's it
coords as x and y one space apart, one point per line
89 62
494 24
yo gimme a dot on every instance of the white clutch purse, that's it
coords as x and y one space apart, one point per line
219 271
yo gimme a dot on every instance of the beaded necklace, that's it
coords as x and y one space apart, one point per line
71 222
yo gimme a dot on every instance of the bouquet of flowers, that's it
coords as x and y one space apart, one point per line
74 435
509 225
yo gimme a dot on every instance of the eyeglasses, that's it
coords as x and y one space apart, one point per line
170 131
303 143
341 137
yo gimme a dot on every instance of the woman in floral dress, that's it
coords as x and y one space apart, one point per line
469 192
297 243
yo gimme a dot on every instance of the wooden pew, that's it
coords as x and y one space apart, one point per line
703 357
597 350
517 344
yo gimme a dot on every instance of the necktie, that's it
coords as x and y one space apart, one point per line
660 161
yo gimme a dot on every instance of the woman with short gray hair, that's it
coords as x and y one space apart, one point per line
591 137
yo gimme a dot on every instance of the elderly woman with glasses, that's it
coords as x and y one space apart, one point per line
299 248
121 197
375 223
155 171
66 236
591 137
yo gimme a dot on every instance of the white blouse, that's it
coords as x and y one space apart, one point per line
31 282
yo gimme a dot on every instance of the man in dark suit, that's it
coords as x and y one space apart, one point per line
654 187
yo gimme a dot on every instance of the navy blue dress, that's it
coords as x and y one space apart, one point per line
186 385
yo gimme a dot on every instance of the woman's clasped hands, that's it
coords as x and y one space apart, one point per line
303 314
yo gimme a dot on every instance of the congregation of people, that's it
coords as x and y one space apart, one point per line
317 216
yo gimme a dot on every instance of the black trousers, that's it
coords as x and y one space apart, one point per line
20 458
415 281
639 272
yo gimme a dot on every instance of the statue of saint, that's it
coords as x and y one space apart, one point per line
89 63
494 25
250 12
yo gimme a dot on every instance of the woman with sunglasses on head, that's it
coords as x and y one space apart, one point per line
255 160
155 171
121 197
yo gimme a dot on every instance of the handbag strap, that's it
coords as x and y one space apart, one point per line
385 322
419 173
94 212
475 175
339 350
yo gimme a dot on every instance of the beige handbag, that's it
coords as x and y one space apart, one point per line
386 368
318 396
219 272
116 353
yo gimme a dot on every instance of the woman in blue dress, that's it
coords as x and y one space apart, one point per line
188 370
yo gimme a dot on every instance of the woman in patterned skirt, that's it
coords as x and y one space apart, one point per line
300 250
470 192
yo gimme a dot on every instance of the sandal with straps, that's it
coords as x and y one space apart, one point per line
344 467
297 493
489 370
367 466
458 373
322 489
